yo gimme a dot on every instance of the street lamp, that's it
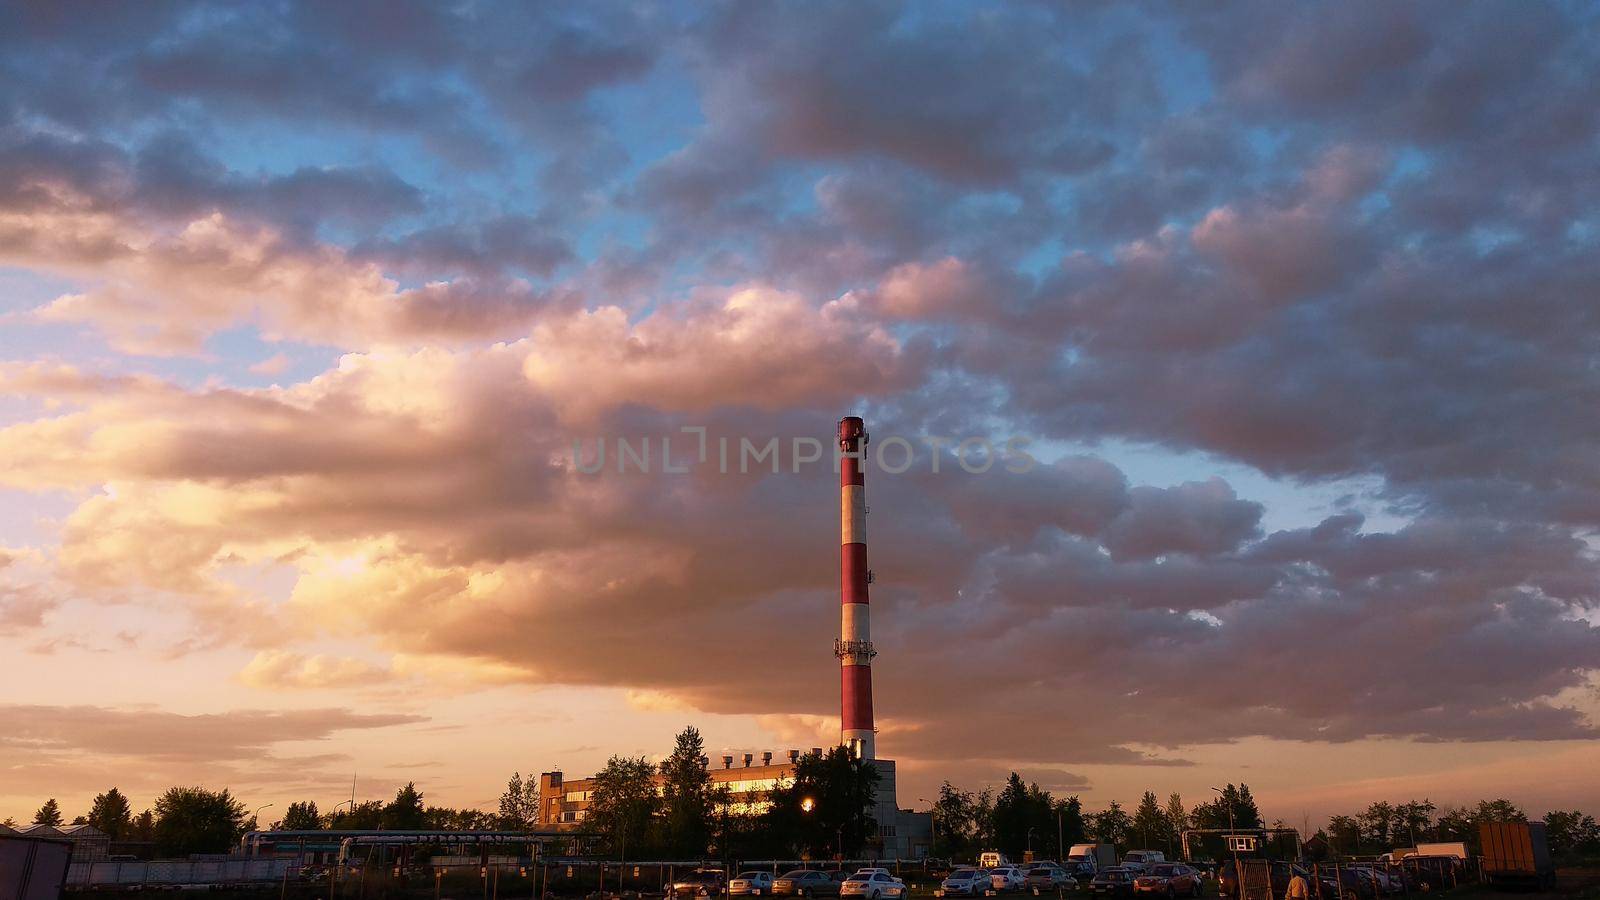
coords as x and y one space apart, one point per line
933 814
1233 845
255 816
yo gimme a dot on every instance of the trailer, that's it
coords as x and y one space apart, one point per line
1516 855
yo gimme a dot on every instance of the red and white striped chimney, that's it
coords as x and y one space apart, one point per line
854 646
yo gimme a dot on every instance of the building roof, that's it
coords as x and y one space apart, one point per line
39 830
84 830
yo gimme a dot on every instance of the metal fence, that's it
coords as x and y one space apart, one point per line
178 872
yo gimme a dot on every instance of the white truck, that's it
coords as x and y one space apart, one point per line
1090 858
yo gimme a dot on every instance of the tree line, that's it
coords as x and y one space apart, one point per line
185 820
1382 826
674 810
1022 817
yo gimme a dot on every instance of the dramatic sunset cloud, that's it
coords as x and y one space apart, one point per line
1279 321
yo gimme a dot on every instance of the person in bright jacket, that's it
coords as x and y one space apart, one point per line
1298 888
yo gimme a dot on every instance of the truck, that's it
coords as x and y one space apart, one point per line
1457 849
992 859
1092 857
1515 854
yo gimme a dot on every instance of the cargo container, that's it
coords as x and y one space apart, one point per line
1515 854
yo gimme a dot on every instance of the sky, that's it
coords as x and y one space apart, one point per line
1231 371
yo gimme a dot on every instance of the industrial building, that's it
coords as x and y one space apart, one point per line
902 834
88 842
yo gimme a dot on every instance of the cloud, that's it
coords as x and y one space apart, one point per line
165 736
279 670
1315 244
439 487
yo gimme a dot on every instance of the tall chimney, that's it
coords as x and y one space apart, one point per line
854 646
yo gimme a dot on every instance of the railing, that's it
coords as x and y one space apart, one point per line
178 872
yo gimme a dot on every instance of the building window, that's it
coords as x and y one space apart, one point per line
1240 843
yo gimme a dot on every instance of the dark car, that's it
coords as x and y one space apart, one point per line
1114 881
808 883
699 883
1169 880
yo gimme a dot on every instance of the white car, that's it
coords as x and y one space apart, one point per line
873 884
751 884
966 882
1007 878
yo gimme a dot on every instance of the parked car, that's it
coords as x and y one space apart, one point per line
1380 878
1352 884
750 884
1049 877
1083 870
1007 878
873 884
1113 882
699 883
966 882
808 883
1170 880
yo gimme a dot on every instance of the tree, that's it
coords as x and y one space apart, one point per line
443 818
1111 825
954 823
1177 823
686 797
1500 811
302 817
623 803
1245 813
842 790
1571 834
405 812
364 816
1149 822
143 827
111 814
1011 817
195 820
1413 821
1344 834
1375 821
1236 808
48 814
1069 814
1024 819
519 805
983 818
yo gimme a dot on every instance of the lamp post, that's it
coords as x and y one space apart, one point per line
1233 846
255 816
933 813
